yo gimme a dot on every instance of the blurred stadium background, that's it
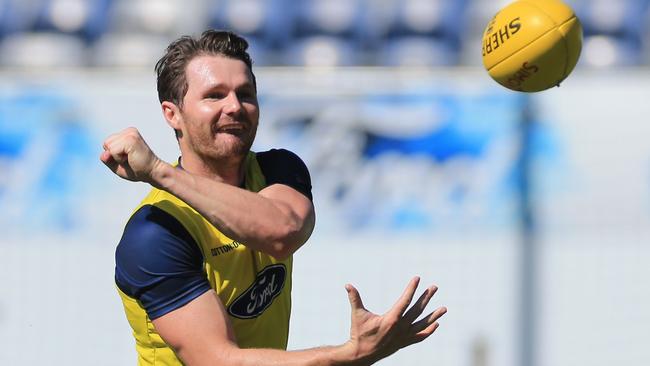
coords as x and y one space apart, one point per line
531 212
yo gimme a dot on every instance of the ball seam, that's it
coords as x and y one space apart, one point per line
533 41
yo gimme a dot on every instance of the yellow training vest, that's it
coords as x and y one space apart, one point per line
245 280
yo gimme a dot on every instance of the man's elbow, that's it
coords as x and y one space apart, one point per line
287 241
283 238
284 248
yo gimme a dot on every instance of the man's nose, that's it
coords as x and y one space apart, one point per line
232 104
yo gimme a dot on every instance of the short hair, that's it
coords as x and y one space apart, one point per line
170 69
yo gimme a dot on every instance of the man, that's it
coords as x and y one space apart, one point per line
204 264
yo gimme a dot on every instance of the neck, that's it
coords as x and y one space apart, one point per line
229 170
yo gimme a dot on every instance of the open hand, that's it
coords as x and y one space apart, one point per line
373 337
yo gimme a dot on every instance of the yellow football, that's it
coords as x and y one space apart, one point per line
532 45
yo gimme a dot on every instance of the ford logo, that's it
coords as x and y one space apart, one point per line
259 296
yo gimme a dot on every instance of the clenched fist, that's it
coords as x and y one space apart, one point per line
128 155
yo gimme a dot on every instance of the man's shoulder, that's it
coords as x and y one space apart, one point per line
166 203
162 199
158 263
273 158
285 167
279 153
151 223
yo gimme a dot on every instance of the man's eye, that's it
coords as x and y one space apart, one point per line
245 95
216 96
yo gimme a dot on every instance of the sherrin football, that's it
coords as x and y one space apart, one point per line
532 45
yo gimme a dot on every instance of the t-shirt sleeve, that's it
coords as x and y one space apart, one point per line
284 167
158 263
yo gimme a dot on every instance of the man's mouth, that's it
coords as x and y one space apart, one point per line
231 128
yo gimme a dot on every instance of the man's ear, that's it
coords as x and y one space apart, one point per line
172 115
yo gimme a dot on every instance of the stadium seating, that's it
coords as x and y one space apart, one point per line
128 33
613 31
266 24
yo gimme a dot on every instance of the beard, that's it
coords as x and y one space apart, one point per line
230 145
215 145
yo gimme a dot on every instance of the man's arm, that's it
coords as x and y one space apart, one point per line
200 333
158 263
283 218
277 220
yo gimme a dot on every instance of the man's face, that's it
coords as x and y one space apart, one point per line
220 112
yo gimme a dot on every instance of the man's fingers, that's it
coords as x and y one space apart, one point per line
105 156
354 297
421 303
127 155
117 147
110 140
407 296
119 157
422 335
121 143
113 155
427 321
108 160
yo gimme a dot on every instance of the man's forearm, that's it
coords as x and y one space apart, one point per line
321 356
259 222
